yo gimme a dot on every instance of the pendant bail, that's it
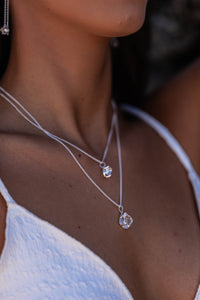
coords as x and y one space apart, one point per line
121 209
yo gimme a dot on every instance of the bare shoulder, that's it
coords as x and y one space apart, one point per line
3 211
181 93
177 106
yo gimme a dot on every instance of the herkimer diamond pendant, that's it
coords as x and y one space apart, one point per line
125 220
107 171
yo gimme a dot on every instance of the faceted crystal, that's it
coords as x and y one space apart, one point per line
125 220
107 172
5 30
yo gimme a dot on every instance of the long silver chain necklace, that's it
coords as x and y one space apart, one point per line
125 220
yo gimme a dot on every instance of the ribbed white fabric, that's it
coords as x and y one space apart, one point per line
40 261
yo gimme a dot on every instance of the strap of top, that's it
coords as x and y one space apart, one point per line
4 192
173 144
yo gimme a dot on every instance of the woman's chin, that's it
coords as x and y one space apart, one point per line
129 26
124 24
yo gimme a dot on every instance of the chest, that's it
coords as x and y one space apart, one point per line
159 256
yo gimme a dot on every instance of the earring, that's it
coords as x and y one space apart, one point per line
5 30
114 42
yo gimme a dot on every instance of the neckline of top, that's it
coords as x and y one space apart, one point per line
164 132
11 203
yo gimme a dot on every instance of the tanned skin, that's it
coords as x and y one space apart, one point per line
60 70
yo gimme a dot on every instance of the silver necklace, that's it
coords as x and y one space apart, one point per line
125 220
106 169
5 30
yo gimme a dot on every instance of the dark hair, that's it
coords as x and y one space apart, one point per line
130 67
175 38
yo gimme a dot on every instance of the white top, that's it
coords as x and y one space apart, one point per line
40 261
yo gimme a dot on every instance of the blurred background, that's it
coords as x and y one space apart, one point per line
168 41
174 38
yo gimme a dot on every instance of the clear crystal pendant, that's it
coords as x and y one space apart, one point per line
125 220
106 170
5 30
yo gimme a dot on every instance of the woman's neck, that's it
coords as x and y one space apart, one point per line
61 74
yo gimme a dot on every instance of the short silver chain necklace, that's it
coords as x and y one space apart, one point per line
125 220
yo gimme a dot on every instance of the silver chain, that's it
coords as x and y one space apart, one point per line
63 142
35 123
6 13
5 30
